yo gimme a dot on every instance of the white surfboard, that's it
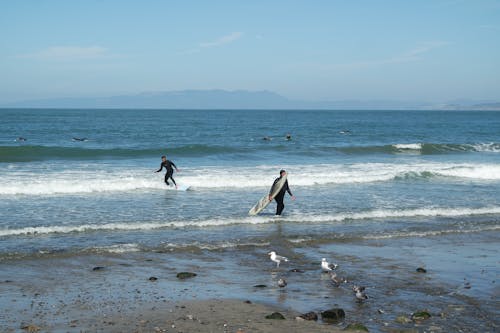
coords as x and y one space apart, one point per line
179 187
264 201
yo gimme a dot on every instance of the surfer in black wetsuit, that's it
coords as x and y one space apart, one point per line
281 194
170 171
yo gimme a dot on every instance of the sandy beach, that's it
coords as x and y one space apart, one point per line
137 292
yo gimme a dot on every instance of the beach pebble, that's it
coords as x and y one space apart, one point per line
275 315
153 278
309 316
356 327
185 275
420 315
421 270
260 286
30 328
333 315
97 268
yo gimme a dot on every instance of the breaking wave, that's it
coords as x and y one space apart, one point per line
83 181
218 222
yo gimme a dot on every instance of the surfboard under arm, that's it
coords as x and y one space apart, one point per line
264 201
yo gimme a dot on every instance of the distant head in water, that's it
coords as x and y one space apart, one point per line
288 136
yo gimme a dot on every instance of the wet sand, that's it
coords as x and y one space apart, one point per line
140 291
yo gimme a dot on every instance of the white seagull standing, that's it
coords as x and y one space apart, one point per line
326 266
276 258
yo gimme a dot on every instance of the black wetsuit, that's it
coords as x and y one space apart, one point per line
170 171
280 196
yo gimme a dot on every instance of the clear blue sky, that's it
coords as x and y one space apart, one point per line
315 50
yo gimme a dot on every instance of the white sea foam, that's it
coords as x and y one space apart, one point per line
431 233
409 213
118 248
483 172
408 146
487 147
85 181
297 218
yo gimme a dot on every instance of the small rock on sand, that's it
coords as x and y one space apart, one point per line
333 316
275 315
309 316
185 275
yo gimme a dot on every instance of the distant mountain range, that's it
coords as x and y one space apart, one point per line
238 99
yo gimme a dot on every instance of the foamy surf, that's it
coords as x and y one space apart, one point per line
218 222
408 146
86 182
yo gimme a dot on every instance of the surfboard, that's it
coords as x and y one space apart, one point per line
264 201
179 187
183 188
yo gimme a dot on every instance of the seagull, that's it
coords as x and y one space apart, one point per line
326 266
360 293
282 283
276 258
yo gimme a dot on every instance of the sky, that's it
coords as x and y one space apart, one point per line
434 50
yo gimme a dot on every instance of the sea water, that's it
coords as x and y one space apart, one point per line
84 182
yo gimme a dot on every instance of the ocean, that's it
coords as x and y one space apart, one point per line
416 188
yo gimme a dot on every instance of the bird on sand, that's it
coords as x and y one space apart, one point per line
276 258
326 266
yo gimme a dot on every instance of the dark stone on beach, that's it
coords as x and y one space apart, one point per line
333 316
260 286
248 302
153 278
275 315
8 281
356 327
30 328
420 315
98 268
421 270
185 275
309 316
296 270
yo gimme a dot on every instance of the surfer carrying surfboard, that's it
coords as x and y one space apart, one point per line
170 171
281 194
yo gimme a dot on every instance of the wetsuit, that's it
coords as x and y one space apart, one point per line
280 196
170 171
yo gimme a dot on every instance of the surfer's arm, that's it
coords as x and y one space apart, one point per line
288 188
175 166
161 168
